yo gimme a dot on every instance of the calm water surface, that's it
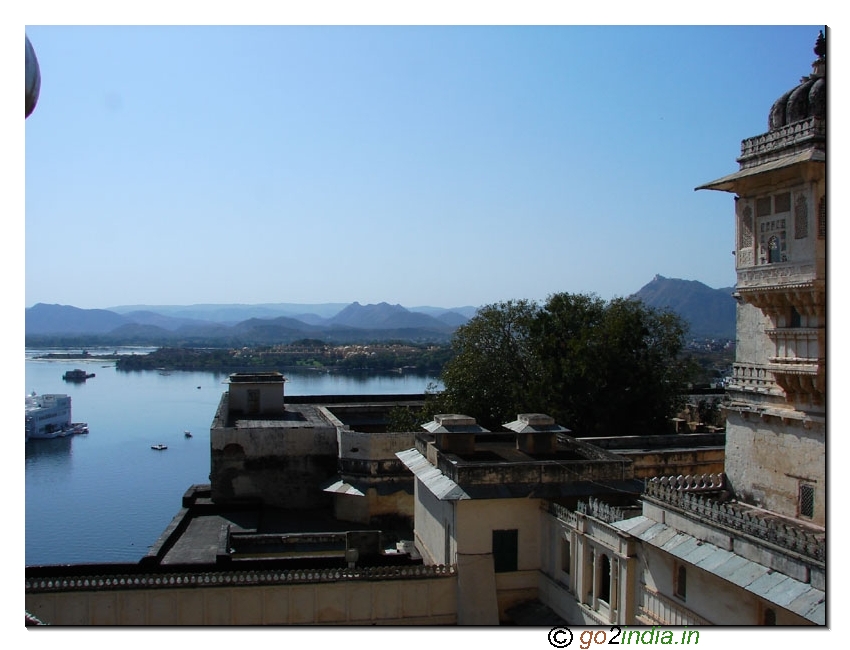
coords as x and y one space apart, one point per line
107 496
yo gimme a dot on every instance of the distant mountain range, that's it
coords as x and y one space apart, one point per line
710 313
239 324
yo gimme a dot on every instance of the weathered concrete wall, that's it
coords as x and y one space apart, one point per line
355 445
369 460
371 507
281 466
421 601
767 460
693 462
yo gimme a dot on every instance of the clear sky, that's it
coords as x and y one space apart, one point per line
421 165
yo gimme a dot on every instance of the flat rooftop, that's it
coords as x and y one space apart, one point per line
194 535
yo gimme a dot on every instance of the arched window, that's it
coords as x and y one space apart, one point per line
773 252
769 617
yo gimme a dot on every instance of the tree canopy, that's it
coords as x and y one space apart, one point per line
597 367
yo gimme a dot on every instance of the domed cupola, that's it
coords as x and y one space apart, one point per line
806 100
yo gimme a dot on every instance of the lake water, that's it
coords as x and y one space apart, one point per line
107 496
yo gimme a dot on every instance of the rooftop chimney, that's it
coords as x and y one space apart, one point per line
454 433
536 433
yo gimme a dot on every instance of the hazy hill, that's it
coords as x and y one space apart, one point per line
466 312
385 316
452 319
61 325
236 313
64 319
710 312
145 317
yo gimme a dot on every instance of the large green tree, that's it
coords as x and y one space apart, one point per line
597 367
494 363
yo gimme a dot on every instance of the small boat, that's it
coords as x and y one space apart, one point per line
187 434
159 447
77 375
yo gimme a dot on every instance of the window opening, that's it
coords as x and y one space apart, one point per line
773 254
681 582
505 550
807 500
605 580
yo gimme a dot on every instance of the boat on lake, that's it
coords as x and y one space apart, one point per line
77 375
159 447
49 416
187 434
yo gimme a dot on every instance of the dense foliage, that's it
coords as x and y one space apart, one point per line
305 353
598 368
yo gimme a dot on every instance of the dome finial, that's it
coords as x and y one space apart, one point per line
820 46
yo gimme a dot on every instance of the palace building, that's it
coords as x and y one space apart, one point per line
318 513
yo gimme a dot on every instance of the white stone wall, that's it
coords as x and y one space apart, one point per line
434 522
478 518
752 345
708 596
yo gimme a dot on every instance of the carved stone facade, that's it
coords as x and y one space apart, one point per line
776 419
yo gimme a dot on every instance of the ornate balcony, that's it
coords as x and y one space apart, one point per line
785 276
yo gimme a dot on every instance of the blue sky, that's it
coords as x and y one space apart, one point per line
437 165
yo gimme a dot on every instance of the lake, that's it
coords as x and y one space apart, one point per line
106 496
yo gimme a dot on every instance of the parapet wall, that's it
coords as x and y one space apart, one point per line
421 595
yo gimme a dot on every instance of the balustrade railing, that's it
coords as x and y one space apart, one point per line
752 377
601 510
564 514
690 494
789 134
233 578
